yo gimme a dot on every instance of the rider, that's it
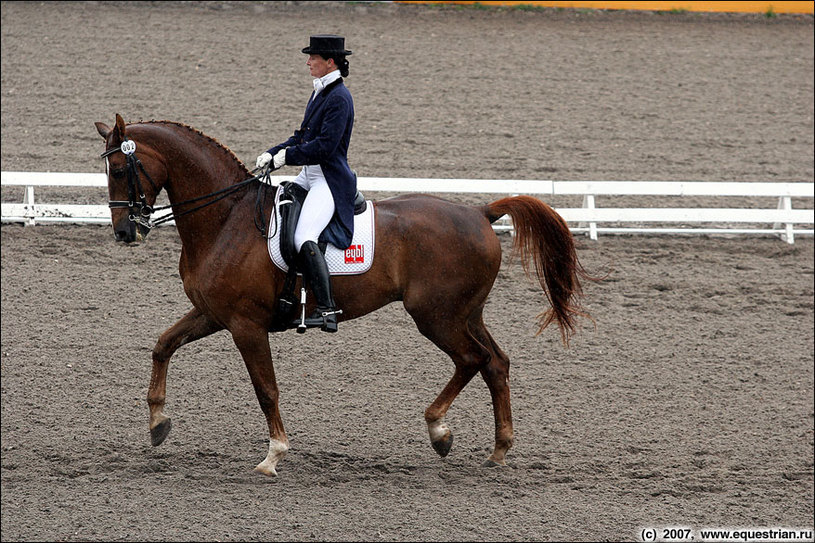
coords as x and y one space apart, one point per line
321 147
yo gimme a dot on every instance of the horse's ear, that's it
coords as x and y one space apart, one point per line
119 129
103 130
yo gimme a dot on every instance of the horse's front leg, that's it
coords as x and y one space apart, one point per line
253 343
194 325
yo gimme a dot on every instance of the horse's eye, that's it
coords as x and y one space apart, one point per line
118 173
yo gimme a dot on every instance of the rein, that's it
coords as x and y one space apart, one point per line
141 211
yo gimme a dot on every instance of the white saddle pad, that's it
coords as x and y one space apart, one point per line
356 259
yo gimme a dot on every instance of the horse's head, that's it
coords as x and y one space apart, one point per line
135 177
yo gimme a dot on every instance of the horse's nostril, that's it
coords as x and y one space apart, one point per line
123 235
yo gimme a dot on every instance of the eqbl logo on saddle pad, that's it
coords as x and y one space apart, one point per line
356 259
355 254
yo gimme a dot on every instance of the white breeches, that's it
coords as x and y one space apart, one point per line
318 207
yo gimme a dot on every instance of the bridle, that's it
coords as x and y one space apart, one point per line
141 211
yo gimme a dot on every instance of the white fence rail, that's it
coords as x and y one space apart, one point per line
781 220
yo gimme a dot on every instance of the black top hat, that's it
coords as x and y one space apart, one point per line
326 44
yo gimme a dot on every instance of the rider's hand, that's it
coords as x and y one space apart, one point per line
263 159
280 159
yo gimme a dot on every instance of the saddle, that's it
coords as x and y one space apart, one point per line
290 205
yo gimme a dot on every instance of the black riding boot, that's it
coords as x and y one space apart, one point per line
315 272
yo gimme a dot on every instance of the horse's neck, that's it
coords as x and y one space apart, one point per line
202 168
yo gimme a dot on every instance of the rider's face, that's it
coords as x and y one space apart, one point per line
320 66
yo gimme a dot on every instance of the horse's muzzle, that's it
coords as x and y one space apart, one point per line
128 231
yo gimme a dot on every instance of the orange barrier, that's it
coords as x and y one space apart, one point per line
766 6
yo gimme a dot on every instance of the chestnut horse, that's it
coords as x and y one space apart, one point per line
439 258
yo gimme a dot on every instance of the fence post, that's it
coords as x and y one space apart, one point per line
28 199
588 203
785 202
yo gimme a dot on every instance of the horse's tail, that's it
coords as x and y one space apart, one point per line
541 235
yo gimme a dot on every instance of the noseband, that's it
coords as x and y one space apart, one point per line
140 211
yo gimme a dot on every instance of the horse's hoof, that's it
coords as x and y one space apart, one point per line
490 463
266 469
443 446
160 432
277 450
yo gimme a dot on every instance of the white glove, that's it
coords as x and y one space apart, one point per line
280 159
263 159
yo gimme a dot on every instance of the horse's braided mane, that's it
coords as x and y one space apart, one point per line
212 140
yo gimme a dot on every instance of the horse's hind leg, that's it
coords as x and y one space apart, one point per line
194 325
469 355
496 375
440 435
472 349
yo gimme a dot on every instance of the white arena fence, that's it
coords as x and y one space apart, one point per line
781 220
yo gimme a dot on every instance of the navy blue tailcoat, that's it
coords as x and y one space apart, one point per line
323 139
